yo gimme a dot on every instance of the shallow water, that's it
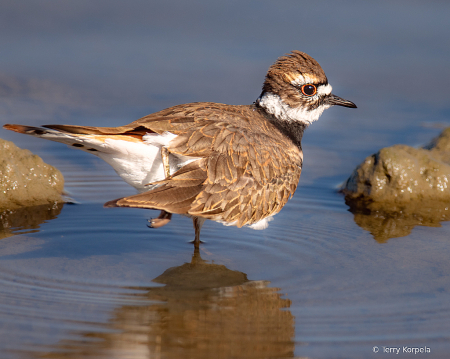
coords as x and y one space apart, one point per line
81 281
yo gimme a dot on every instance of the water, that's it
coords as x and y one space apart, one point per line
81 281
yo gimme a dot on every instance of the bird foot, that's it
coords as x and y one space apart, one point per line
163 218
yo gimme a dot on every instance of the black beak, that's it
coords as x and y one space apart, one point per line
335 100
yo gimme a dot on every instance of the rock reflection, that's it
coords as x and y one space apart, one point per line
394 220
205 310
12 221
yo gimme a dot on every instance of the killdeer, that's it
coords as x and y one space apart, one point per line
237 165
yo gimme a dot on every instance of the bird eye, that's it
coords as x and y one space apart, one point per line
309 90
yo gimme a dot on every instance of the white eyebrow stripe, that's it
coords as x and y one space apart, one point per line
300 80
324 89
303 80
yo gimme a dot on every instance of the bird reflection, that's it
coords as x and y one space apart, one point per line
204 310
385 221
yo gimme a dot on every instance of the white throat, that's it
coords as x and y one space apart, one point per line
274 105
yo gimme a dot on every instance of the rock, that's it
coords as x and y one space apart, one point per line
440 146
25 180
400 174
400 187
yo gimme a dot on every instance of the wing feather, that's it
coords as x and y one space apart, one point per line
247 171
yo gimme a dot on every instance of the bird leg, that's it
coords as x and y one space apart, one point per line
164 217
198 223
165 161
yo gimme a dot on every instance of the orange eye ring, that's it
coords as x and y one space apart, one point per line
308 90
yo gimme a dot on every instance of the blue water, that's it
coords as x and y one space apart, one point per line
89 282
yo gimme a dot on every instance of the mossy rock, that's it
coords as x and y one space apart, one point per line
400 174
25 180
400 187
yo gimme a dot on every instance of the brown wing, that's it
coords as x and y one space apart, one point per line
247 169
174 195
